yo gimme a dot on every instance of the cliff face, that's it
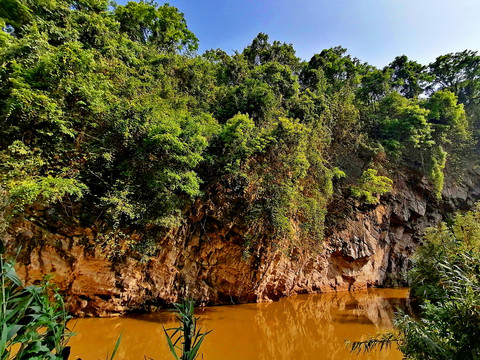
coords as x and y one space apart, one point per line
365 246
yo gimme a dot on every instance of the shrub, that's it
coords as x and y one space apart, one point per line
370 186
446 280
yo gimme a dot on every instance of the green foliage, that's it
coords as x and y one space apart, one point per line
164 27
33 326
109 110
405 122
275 173
185 339
375 85
458 72
409 78
338 174
280 183
370 186
446 279
439 160
253 97
261 52
448 117
45 190
241 140
338 68
26 185
381 340
449 243
422 132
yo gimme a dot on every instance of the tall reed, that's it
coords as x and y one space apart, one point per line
33 319
185 340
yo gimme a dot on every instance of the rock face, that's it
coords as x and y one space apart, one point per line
365 246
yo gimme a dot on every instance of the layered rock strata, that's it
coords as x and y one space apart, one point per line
365 246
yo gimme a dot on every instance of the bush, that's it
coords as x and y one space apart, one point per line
446 280
370 186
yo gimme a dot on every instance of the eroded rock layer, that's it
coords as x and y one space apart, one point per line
365 246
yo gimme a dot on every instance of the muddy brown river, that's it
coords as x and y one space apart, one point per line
303 327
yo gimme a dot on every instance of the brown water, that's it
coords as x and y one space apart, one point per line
300 327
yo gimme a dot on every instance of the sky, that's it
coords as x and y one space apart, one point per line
374 31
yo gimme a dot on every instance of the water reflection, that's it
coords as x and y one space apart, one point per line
300 327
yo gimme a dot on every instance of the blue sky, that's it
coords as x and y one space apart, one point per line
373 30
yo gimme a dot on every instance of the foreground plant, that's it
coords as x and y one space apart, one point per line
446 280
185 339
32 319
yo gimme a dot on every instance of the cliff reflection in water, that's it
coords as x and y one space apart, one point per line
299 327
315 327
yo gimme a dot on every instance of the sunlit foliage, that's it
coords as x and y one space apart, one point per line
107 109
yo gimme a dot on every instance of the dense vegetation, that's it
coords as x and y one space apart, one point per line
32 319
445 279
108 114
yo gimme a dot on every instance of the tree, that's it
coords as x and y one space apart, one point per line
458 72
163 27
403 123
261 52
340 70
447 117
375 84
409 78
